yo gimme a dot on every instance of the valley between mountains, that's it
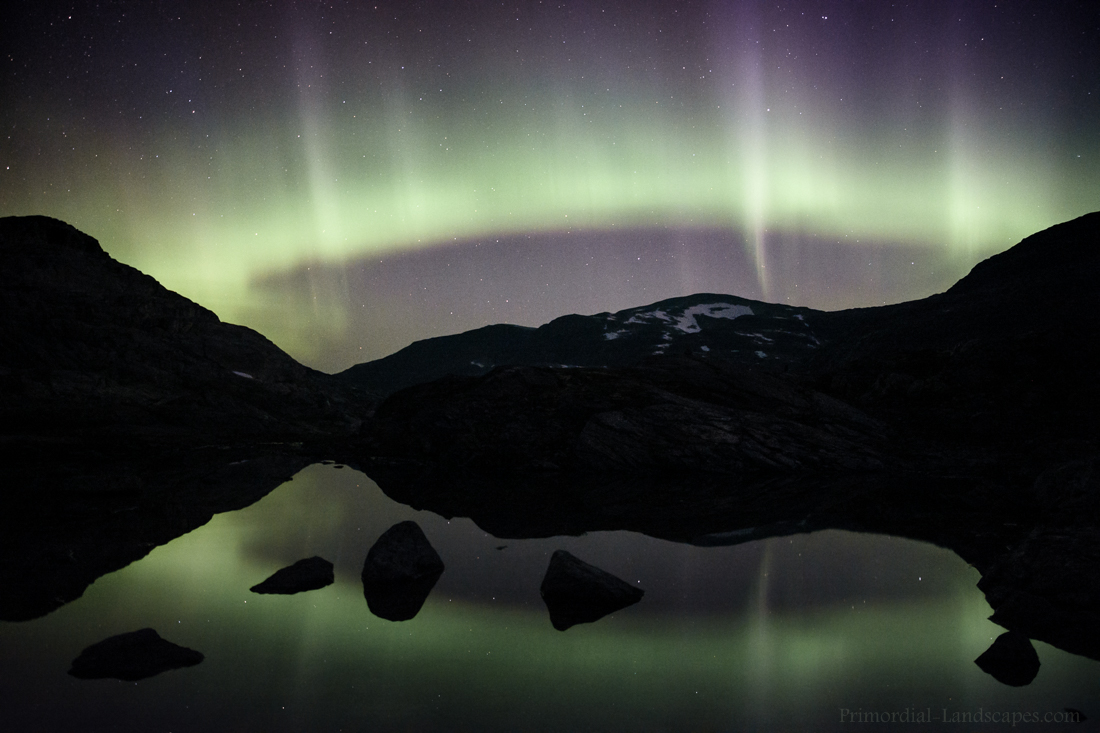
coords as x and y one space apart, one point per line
968 419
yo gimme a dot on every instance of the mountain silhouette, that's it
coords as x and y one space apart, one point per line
968 419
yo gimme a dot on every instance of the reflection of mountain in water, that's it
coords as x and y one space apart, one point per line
967 419
131 415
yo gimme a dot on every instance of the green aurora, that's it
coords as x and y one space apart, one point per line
472 659
216 171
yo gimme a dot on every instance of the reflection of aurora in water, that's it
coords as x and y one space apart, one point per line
214 148
777 633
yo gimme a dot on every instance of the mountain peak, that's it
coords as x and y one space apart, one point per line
1049 262
37 230
92 349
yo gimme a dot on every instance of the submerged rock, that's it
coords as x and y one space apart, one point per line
309 574
578 593
133 656
1011 659
400 571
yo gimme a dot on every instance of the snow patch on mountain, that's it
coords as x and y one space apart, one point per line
649 316
687 323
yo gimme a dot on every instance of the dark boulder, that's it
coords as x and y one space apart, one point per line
402 553
578 593
309 574
400 571
1011 660
133 656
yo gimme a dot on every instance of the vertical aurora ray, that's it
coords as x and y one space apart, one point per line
762 646
746 119
321 174
777 181
238 151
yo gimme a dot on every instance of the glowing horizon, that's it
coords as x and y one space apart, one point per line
335 136
187 231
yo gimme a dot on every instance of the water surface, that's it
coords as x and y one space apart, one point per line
778 634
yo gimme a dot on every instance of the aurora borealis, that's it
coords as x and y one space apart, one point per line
349 177
771 635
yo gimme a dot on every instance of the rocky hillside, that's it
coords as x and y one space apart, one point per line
93 350
725 326
999 370
970 419
130 415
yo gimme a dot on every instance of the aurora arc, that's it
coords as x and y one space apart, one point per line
331 136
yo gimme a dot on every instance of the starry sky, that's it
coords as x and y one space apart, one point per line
347 177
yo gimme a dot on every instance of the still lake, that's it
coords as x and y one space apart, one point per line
777 634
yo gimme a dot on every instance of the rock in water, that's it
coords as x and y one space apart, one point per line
402 553
578 593
132 656
309 574
1011 659
400 571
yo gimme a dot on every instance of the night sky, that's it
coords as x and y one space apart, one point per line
349 177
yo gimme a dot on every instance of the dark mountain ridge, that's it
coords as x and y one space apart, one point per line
724 326
93 350
998 368
1008 353
130 415
967 419
1006 338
